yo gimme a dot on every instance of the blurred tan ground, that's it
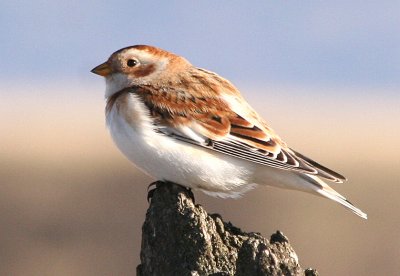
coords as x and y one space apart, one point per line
71 204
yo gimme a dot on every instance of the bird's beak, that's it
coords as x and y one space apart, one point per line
102 70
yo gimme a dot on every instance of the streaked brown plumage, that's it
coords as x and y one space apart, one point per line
199 107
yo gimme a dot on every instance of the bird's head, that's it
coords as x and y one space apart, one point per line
139 65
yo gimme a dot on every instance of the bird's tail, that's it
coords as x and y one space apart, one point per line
325 190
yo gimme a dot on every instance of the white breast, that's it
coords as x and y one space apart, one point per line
165 158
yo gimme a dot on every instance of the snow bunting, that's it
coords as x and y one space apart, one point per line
187 125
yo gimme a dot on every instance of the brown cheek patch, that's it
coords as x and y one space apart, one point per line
143 71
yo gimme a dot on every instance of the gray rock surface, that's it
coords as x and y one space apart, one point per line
180 238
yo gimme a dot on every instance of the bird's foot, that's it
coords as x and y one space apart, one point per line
151 189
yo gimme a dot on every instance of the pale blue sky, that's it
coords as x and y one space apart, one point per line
335 43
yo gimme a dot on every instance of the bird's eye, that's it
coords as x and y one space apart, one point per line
131 62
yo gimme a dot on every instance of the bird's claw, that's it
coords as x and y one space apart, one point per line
151 190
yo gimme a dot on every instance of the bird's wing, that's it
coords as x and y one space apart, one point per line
292 159
224 123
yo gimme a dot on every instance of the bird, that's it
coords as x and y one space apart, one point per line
186 125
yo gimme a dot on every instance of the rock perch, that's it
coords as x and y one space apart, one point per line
181 238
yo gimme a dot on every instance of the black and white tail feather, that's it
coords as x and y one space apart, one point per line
242 151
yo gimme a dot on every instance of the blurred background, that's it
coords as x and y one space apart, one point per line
324 74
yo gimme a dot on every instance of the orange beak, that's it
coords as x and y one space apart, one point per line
102 70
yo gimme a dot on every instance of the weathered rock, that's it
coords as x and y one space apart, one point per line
180 238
